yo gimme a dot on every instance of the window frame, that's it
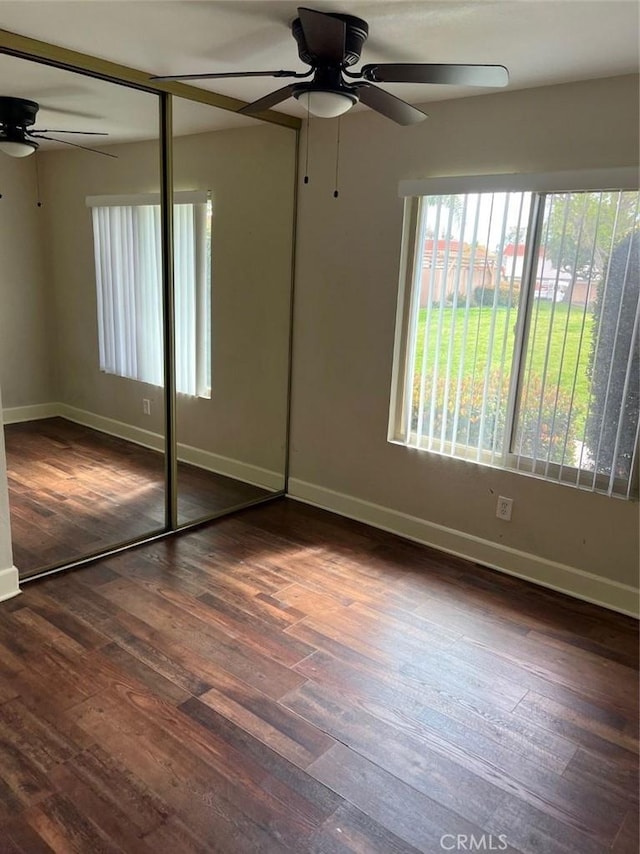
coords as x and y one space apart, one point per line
539 185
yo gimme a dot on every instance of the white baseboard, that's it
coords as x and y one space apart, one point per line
120 429
16 414
556 576
216 463
8 583
246 472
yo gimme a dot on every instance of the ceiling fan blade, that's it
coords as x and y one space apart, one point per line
324 34
74 145
65 111
390 106
83 132
269 100
429 72
222 75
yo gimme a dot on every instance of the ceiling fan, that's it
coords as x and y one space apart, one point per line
330 43
19 139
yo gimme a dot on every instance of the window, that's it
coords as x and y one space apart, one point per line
126 233
517 342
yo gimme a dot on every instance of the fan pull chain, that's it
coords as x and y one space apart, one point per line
335 192
306 162
35 162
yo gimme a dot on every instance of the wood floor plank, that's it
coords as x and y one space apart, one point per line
19 836
586 724
564 665
287 733
597 771
204 637
206 778
447 782
82 634
467 686
42 744
532 830
434 710
65 828
281 778
410 814
101 809
626 841
99 772
538 677
47 633
154 657
21 782
174 836
468 759
115 665
349 830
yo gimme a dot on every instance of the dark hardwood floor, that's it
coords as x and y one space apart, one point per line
287 680
75 491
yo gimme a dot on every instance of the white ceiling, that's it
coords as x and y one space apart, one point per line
540 41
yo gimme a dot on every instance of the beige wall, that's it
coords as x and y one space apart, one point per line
25 289
250 172
346 291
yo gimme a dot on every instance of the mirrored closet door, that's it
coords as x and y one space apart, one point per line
142 393
81 321
233 184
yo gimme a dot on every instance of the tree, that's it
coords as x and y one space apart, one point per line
450 211
582 227
516 235
614 363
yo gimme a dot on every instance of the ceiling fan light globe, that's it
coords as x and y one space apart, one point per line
15 148
324 104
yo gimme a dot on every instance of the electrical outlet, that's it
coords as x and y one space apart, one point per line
504 508
146 406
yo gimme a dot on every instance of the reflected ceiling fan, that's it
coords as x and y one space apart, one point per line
19 139
330 43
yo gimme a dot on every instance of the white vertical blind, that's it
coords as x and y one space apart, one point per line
577 418
464 312
128 270
129 292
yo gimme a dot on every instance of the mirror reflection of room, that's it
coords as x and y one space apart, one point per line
81 355
82 326
231 426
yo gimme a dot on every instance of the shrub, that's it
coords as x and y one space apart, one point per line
546 422
615 311
486 296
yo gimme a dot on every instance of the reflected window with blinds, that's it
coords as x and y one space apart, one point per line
517 342
128 263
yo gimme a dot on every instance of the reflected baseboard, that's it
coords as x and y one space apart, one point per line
207 460
112 427
271 480
18 414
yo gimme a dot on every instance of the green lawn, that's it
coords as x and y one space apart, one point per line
560 337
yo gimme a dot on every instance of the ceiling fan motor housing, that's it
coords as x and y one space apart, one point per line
17 112
357 31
